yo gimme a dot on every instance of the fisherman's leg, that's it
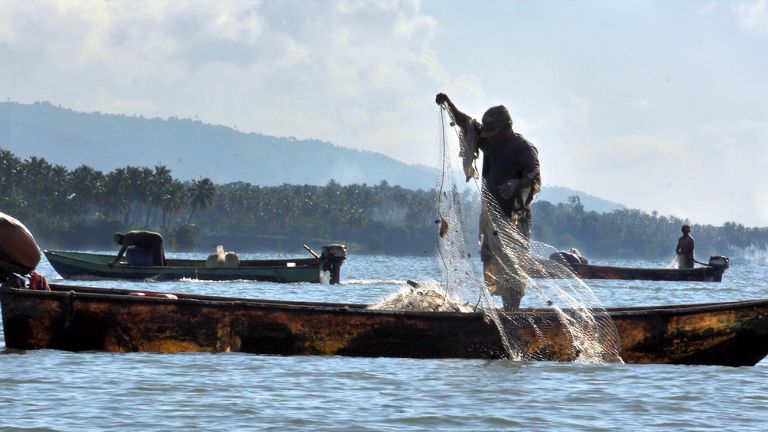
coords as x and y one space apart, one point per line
502 267
505 255
514 285
489 276
511 295
490 267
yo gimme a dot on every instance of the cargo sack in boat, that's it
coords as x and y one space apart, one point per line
222 259
17 246
217 259
231 260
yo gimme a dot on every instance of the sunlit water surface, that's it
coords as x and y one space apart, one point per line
53 390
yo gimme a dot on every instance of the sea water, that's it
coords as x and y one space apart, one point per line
55 390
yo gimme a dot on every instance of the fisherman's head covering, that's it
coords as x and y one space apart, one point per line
119 238
495 120
686 228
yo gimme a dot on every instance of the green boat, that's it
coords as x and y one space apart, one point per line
321 268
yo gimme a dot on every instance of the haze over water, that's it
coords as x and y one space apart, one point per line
54 390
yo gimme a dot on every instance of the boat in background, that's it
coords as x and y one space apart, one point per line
557 268
321 268
78 318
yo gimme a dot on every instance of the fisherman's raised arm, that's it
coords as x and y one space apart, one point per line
462 120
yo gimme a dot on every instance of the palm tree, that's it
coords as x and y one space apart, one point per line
201 194
115 197
10 167
174 201
85 185
159 186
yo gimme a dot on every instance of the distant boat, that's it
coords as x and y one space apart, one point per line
323 267
556 268
77 318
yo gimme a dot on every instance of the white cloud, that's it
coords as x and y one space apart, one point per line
330 70
7 33
754 16
706 7
363 74
420 28
239 22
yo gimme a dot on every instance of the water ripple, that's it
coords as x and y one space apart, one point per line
50 390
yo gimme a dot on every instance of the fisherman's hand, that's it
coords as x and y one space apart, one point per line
507 189
441 98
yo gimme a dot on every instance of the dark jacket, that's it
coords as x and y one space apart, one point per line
149 241
142 239
514 158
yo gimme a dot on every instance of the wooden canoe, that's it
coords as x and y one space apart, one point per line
554 269
79 265
79 318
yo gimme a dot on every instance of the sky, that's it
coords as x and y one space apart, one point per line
657 105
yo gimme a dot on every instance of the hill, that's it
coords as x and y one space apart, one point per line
559 194
192 149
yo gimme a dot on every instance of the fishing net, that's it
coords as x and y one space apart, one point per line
425 296
567 316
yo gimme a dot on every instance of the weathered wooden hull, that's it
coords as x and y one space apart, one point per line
83 318
553 269
76 265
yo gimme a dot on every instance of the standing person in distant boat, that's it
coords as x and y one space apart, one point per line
511 178
685 249
146 248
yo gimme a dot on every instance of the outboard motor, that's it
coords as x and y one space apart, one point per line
19 252
19 255
719 261
331 259
720 264
564 257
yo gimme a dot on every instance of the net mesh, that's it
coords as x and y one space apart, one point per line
566 308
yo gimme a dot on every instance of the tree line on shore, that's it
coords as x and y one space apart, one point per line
84 207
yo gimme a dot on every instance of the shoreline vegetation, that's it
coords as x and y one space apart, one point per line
83 208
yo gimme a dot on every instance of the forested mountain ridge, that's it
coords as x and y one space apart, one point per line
191 150
83 208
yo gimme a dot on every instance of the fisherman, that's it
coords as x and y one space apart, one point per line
511 178
143 247
684 249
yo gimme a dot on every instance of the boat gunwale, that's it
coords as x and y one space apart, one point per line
156 296
299 263
704 269
226 302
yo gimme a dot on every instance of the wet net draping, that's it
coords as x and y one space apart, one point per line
565 304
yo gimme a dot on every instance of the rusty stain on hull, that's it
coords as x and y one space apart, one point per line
83 318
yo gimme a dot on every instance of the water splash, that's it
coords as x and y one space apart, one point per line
755 255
